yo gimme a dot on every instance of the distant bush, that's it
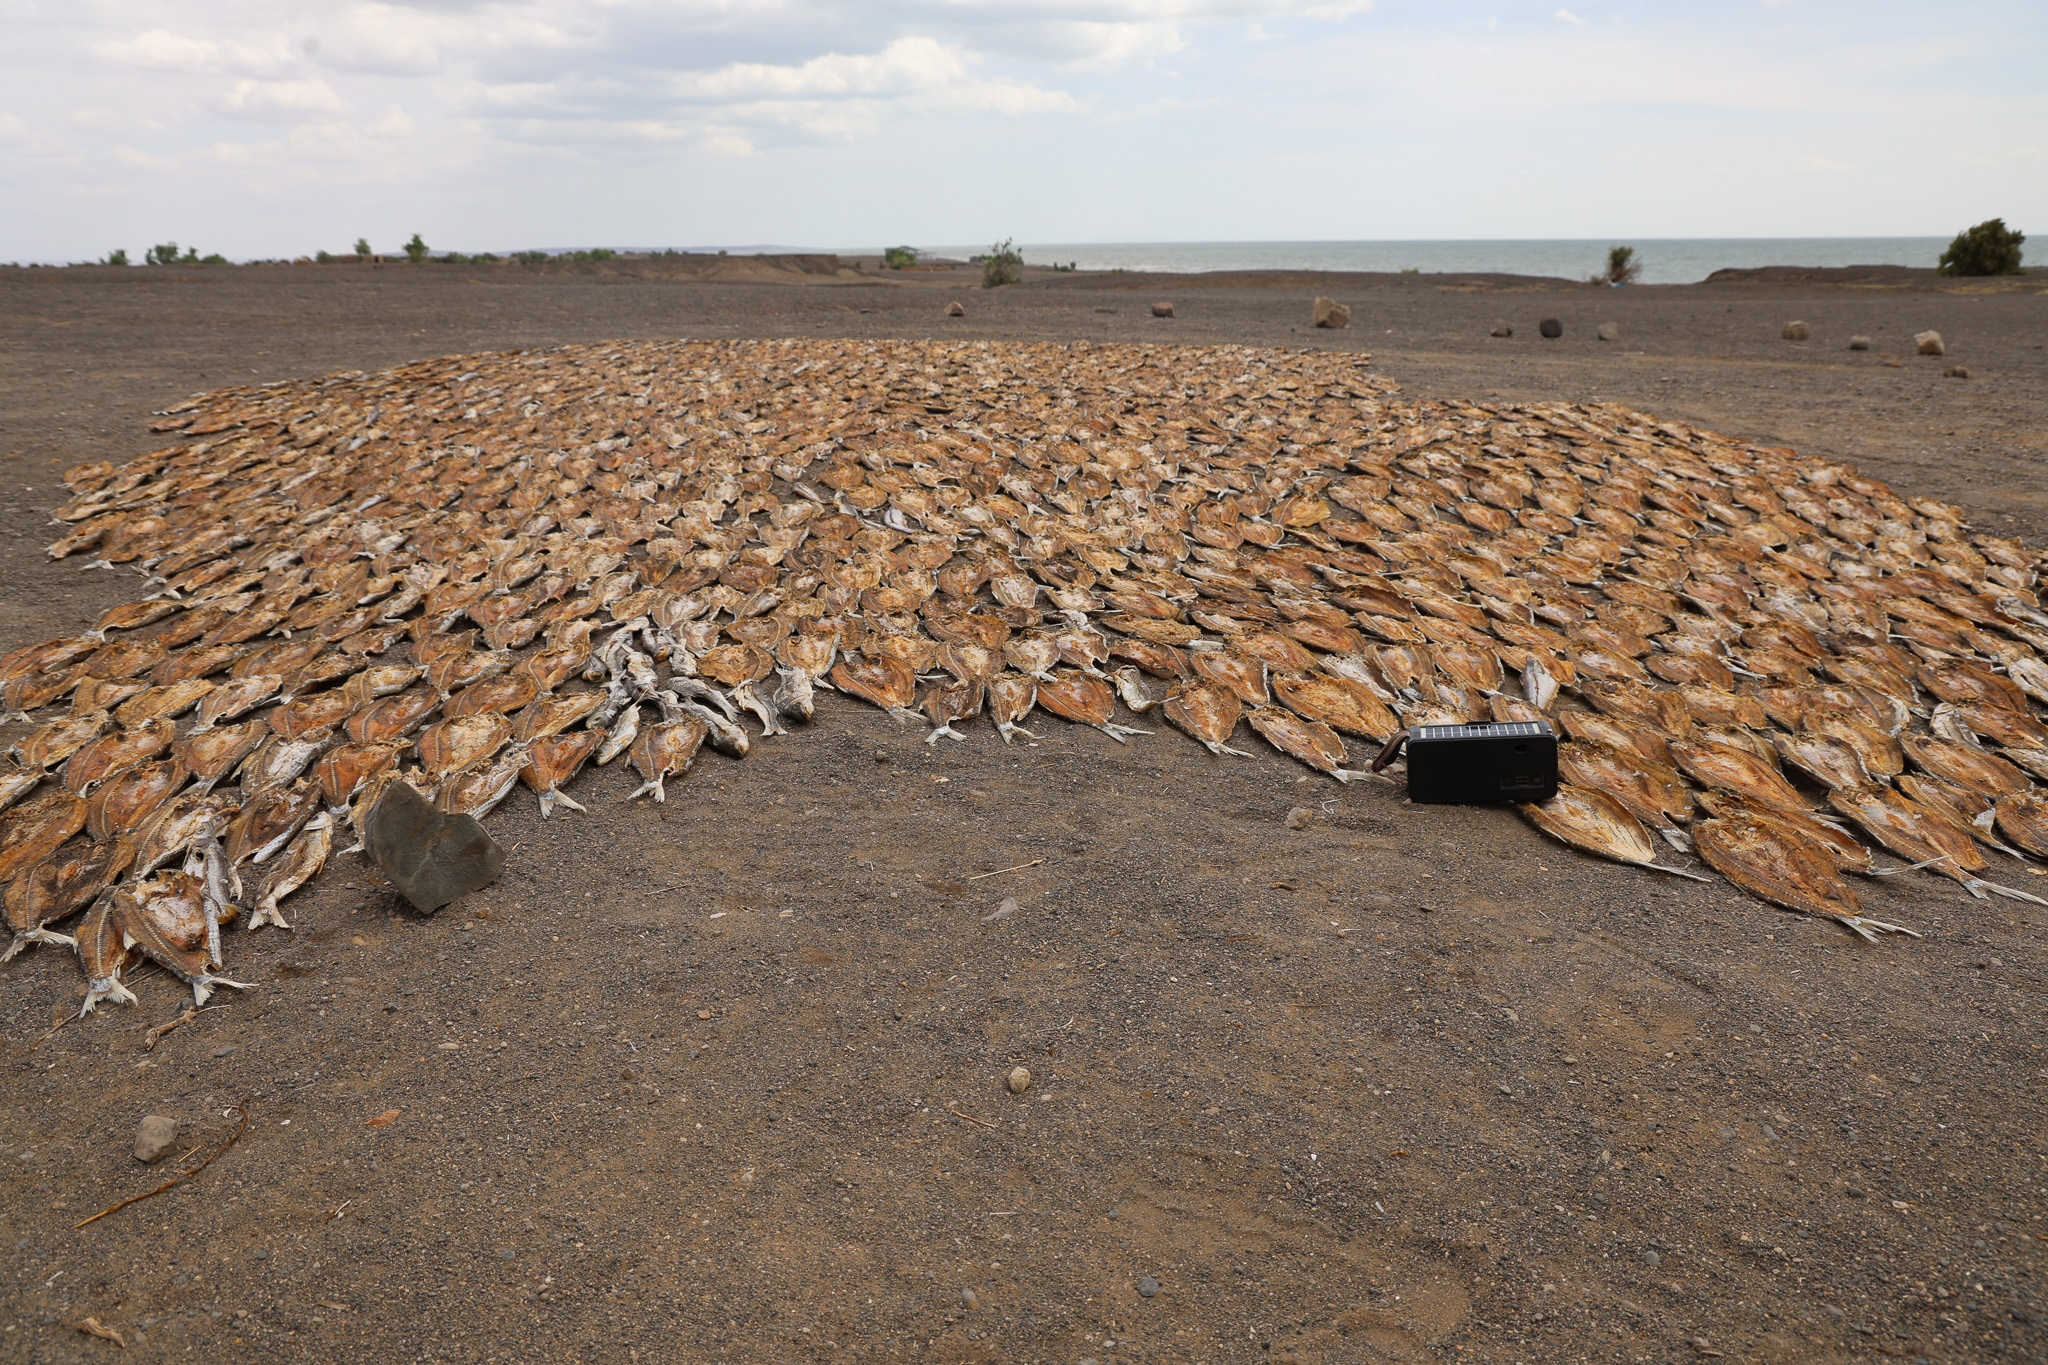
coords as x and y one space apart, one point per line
1990 248
1622 267
1003 264
212 258
900 257
485 258
363 247
323 258
118 256
1411 270
166 253
530 257
455 258
416 249
596 253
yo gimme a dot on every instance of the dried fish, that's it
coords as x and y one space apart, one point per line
1010 699
1770 860
300 863
1206 710
156 918
1596 823
551 760
1084 699
1917 835
104 952
886 682
1311 741
951 700
664 751
1651 792
58 887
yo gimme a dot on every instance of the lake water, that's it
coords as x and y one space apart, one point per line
1669 260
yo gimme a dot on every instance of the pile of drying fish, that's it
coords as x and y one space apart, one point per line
467 574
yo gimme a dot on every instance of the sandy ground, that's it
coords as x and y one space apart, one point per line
724 1079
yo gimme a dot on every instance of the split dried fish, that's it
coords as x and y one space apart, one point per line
1011 697
664 751
1770 861
1085 699
1917 835
551 761
300 863
1208 711
1594 822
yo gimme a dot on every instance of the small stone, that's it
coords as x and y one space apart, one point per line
226 1050
1330 313
1929 343
153 1137
1702 1344
1652 1258
1301 817
1551 328
1608 331
1162 309
1727 1133
1008 908
1020 1080
1503 328
1147 1286
1955 372
969 1299
1859 343
955 310
1794 331
507 1254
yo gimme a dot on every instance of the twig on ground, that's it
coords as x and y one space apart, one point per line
93 1327
1001 870
182 1176
185 1016
970 1118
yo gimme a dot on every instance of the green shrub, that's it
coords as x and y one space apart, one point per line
118 256
164 253
323 258
416 249
1990 248
1622 267
455 258
484 258
1411 270
210 258
363 247
900 257
530 257
596 253
1003 264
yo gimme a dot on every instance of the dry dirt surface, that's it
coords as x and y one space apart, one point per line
727 1081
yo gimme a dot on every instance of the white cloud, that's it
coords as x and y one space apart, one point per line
382 40
1569 17
393 122
130 156
906 65
279 101
161 50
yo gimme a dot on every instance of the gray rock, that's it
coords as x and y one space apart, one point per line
1652 1258
430 857
1955 372
153 1137
1608 331
1794 331
1859 343
955 310
1008 908
1551 328
969 1299
1162 310
1147 1286
1503 328
1020 1080
1301 817
1330 313
1929 343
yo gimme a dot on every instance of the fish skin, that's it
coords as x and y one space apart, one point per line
1594 822
1209 712
1310 741
300 863
2024 818
34 829
1341 703
452 745
883 681
1011 697
59 739
666 750
1772 861
552 760
749 697
1652 793
477 789
104 954
794 697
552 714
1138 693
1849 854
264 826
1738 770
621 735
1978 771
392 718
1085 699
1829 761
166 701
1246 677
144 923
1034 654
124 803
58 887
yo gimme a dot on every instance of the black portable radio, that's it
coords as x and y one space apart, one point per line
1471 764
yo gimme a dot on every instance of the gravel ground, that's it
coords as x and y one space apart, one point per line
1407 1083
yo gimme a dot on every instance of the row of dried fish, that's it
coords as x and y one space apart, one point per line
717 530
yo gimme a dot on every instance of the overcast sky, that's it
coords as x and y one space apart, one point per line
275 127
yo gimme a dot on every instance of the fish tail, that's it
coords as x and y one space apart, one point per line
204 984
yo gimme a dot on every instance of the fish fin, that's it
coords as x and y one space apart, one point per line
901 714
267 913
946 730
110 989
1674 871
1117 732
36 935
1675 837
564 799
1863 925
1909 867
2010 893
203 986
